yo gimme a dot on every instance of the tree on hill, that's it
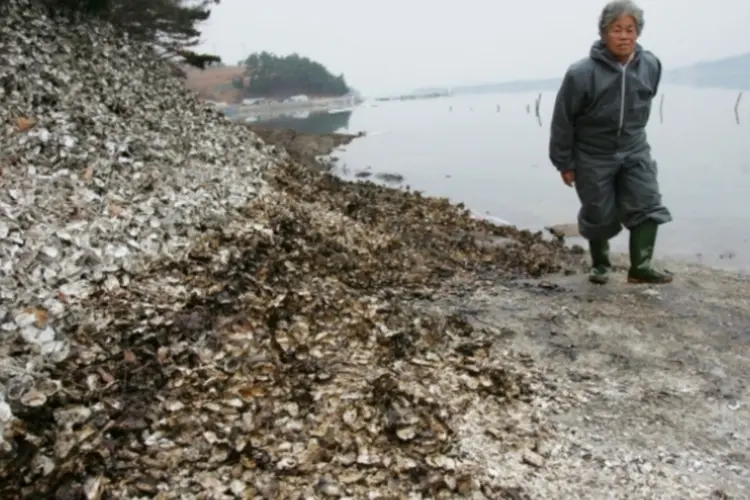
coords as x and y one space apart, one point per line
285 76
169 25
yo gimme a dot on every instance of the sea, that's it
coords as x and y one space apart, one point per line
489 151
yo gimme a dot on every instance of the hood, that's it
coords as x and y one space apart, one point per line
600 52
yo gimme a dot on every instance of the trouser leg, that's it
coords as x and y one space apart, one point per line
597 218
641 210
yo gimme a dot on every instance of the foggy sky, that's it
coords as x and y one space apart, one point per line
397 45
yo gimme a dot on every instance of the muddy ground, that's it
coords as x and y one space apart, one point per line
644 391
304 147
658 378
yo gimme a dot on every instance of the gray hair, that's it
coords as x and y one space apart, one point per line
615 10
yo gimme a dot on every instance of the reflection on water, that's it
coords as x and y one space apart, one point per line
310 123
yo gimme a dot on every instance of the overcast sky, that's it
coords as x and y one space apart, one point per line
394 45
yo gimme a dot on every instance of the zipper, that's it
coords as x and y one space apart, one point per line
622 94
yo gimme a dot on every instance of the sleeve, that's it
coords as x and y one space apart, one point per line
658 76
562 129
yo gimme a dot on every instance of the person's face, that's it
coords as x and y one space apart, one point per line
621 37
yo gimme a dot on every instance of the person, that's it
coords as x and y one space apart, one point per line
598 143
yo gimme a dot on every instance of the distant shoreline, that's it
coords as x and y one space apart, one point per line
273 109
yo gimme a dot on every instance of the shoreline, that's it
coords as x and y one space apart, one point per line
304 146
721 247
271 110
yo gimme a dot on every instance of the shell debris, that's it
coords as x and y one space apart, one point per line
189 311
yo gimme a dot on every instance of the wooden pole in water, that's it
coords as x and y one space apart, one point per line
661 109
737 108
537 104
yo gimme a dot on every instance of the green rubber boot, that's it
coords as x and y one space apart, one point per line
600 264
642 241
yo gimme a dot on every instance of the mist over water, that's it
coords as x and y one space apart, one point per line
496 163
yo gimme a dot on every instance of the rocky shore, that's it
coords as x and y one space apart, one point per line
193 308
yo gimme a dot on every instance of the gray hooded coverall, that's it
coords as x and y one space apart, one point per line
599 131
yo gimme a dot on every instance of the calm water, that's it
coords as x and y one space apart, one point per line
496 162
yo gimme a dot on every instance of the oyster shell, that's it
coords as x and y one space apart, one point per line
213 316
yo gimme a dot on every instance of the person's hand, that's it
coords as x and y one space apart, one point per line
568 177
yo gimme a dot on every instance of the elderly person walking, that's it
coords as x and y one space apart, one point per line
598 143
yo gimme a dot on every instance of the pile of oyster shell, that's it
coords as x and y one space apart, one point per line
179 320
106 163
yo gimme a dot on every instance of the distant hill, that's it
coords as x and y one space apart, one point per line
272 77
549 84
728 73
431 90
